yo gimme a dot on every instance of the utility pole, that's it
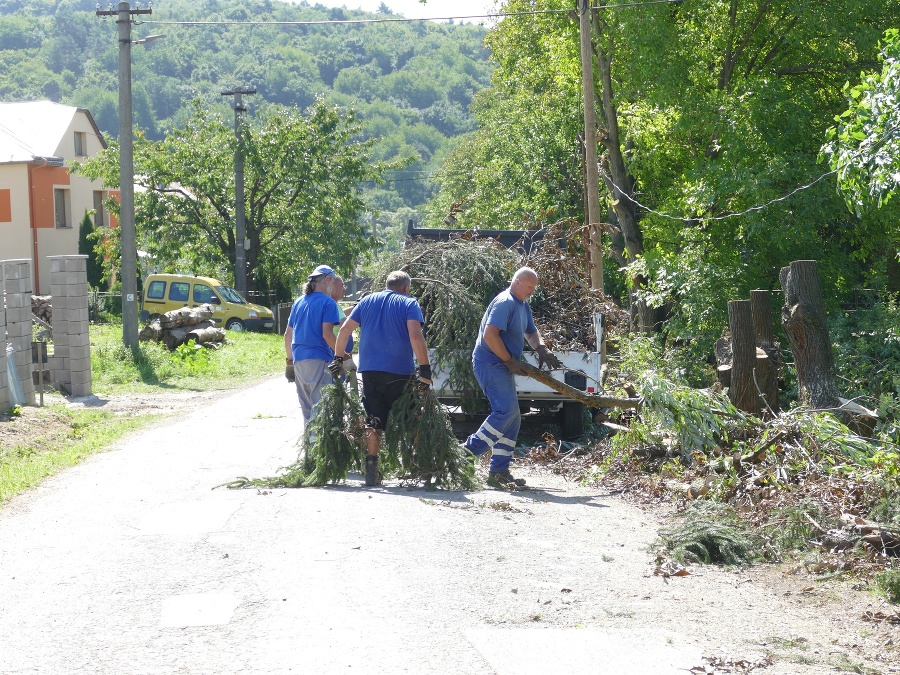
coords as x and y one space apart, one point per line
592 186
127 234
241 245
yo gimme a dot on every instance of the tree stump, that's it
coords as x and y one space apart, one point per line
768 369
806 325
742 392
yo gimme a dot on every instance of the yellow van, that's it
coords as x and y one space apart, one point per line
165 292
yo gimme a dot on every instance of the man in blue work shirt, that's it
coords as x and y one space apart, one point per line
506 324
391 334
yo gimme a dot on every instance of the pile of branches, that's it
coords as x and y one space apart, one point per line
453 281
183 325
564 303
802 472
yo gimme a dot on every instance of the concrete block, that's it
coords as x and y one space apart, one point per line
59 302
56 266
60 329
78 327
76 263
80 351
83 377
78 290
19 286
79 365
80 389
16 269
61 351
79 314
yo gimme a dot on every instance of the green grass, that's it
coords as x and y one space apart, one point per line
64 437
39 442
244 358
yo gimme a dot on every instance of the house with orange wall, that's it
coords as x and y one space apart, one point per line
42 204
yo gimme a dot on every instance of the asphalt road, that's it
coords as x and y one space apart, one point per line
132 563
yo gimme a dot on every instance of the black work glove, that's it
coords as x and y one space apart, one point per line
545 356
289 370
336 367
423 375
514 366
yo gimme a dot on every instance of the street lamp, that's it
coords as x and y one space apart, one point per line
127 235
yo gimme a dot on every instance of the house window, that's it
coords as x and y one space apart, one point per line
5 207
99 210
62 208
80 144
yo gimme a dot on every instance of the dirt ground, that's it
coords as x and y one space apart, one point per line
447 582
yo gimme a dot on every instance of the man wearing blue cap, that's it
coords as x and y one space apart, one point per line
309 339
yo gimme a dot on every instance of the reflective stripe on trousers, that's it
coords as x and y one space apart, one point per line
498 433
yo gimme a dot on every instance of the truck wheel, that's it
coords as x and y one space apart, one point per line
234 324
571 420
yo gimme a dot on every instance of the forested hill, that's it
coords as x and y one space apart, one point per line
410 83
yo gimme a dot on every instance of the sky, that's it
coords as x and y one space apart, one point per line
414 9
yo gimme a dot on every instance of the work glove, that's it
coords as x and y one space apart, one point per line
289 370
545 356
336 367
423 375
514 366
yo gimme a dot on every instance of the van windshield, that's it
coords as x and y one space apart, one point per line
230 295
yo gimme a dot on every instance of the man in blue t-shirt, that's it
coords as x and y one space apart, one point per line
391 334
309 339
505 326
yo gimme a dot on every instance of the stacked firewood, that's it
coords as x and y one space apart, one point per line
42 308
180 326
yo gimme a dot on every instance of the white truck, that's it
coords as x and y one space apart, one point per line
580 370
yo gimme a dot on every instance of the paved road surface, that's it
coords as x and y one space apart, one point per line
131 563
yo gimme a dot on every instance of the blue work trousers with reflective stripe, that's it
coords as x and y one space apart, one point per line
498 433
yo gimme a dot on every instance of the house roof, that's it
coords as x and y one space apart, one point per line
35 129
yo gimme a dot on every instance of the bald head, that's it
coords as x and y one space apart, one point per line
523 284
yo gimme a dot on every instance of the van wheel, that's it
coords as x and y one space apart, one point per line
234 324
571 420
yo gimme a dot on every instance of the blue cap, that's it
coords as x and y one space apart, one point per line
319 271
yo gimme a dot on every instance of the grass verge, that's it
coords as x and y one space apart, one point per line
246 357
55 438
39 442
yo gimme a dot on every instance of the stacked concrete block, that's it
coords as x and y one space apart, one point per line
4 383
17 281
70 365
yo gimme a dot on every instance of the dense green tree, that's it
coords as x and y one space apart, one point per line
302 200
711 113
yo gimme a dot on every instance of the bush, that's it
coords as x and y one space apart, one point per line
888 582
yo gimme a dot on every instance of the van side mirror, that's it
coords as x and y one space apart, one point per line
214 300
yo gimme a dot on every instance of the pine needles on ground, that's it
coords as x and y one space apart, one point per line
421 447
711 533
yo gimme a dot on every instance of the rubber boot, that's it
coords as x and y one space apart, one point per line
373 477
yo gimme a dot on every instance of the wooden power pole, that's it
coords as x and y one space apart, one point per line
592 186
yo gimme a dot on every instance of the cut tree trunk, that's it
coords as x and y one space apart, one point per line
742 392
767 372
186 316
806 325
590 400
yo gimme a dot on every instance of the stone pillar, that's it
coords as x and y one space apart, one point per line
17 279
71 362
4 384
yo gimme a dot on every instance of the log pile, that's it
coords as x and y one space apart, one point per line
42 307
180 326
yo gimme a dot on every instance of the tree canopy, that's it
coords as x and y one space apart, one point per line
712 115
302 201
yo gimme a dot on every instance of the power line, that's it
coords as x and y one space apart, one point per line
329 22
